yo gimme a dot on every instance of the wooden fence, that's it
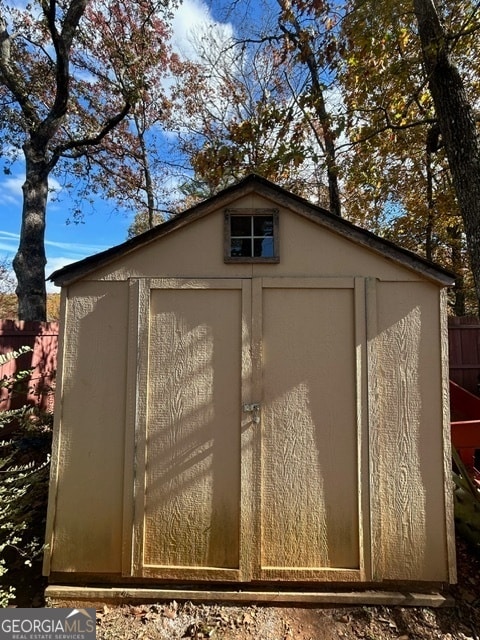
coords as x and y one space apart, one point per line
464 345
464 350
42 337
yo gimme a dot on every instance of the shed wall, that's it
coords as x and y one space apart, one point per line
91 424
305 249
409 539
403 486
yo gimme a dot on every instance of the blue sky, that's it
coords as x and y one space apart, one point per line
101 229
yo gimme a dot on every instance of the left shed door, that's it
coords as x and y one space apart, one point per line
193 344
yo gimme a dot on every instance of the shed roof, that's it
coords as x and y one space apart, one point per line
283 198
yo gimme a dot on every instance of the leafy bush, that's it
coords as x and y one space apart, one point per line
25 445
466 497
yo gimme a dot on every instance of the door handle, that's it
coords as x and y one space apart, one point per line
253 408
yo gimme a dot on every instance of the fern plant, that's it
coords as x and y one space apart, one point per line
24 473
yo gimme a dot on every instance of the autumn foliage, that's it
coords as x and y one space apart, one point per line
346 104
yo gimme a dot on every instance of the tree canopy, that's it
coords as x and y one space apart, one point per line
395 121
70 72
367 109
392 93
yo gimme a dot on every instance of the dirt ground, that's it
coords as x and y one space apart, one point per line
169 621
172 620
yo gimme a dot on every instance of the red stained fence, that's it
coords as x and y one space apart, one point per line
42 337
464 349
464 345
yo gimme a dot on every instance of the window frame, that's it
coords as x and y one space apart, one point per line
251 213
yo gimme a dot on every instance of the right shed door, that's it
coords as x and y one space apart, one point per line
313 484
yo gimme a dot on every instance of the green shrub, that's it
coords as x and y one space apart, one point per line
466 496
25 445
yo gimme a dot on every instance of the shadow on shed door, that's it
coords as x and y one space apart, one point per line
218 495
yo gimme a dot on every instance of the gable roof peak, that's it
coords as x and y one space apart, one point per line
282 198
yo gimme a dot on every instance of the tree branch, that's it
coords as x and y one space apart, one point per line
79 145
62 43
12 78
464 29
389 126
464 32
72 19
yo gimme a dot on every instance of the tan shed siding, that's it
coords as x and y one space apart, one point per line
408 506
252 422
306 249
309 430
168 256
89 499
193 429
56 444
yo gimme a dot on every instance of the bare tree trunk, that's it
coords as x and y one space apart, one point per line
41 152
456 120
325 120
30 260
149 188
300 38
430 208
455 237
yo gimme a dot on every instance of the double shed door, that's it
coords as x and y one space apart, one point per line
249 436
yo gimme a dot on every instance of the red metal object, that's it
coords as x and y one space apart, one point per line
465 425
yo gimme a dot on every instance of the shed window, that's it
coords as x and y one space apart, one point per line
251 235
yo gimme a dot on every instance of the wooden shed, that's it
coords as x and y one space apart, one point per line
251 396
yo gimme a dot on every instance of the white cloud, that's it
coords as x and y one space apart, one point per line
9 246
59 262
52 265
76 251
11 191
51 288
8 242
54 185
70 252
8 235
193 17
11 188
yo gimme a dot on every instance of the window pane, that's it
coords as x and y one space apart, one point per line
263 226
263 248
241 226
250 237
241 248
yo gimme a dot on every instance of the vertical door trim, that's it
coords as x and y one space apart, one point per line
256 429
361 323
248 439
136 416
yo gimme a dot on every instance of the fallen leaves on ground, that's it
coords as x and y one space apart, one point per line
175 620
